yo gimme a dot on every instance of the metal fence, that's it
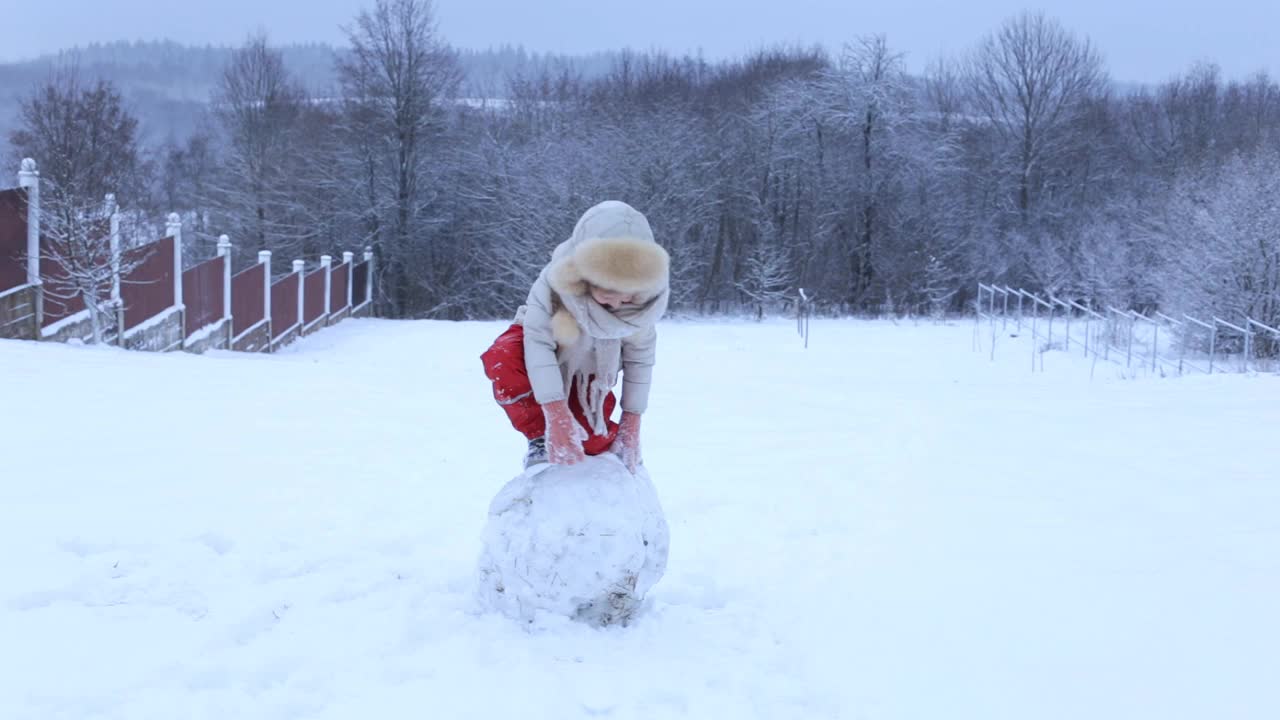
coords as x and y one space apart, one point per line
1153 343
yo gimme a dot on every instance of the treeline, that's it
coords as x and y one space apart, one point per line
1015 162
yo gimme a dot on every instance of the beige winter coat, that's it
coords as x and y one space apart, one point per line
568 335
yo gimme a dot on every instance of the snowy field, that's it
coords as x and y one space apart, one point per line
885 526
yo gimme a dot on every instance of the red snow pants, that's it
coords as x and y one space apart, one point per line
504 366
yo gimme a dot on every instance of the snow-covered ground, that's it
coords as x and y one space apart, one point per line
885 526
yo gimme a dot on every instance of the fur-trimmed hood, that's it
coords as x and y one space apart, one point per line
573 342
612 247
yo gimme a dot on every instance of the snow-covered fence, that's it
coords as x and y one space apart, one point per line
150 301
286 307
314 298
13 238
1153 343
339 287
362 286
20 296
250 311
206 293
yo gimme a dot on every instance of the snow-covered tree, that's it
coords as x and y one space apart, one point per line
396 80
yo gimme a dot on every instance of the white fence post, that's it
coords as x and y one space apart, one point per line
29 178
224 252
368 277
326 262
264 259
300 268
348 259
174 229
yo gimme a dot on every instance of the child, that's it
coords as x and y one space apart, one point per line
590 314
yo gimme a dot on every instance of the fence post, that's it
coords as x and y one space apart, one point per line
114 248
1248 342
224 252
264 259
348 259
1066 310
326 262
368 280
1128 353
1213 345
174 229
1050 343
300 268
1182 353
1155 346
1088 332
29 178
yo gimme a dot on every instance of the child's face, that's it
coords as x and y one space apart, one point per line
611 298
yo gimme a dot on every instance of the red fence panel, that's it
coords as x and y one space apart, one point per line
284 305
313 300
13 238
248 302
148 290
359 281
202 294
338 288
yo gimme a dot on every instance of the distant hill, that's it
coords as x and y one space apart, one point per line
168 84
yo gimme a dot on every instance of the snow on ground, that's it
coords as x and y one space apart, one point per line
887 525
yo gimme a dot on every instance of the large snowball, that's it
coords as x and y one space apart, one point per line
585 541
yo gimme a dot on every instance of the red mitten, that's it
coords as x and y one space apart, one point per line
627 446
564 435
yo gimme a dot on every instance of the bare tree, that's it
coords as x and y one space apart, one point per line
86 142
258 105
867 97
84 138
395 79
1031 80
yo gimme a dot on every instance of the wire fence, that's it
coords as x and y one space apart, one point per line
1153 343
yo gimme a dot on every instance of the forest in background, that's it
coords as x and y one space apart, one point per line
1019 161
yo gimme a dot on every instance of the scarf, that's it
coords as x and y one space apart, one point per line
606 329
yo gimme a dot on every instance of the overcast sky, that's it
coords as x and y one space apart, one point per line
1142 40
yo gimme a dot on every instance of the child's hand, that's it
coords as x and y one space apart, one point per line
564 435
627 444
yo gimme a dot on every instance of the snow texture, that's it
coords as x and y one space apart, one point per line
886 526
584 541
